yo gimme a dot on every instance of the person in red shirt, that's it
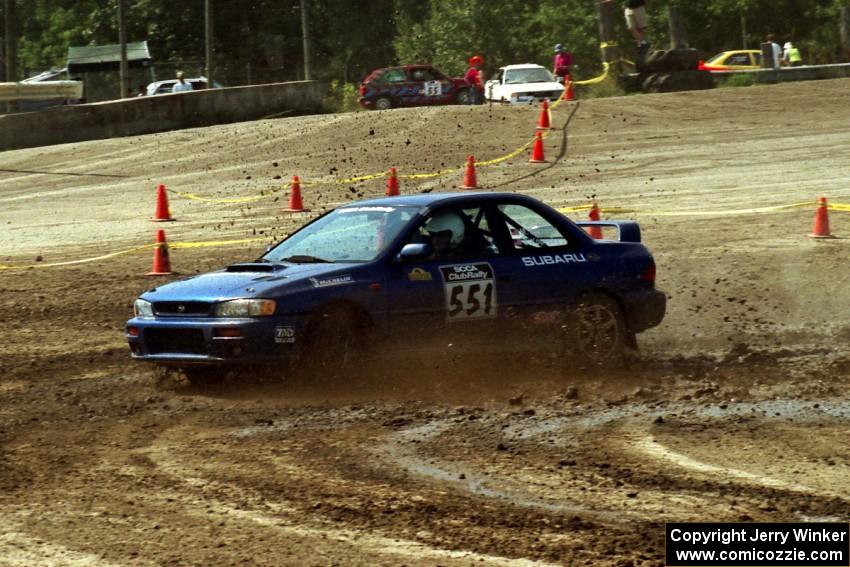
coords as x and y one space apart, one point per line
563 63
474 80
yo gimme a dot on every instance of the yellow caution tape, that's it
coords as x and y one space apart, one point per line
212 243
575 209
194 197
596 80
756 210
82 261
171 245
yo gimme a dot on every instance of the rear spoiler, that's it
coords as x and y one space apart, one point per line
627 231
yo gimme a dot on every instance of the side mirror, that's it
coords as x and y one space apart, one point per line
415 251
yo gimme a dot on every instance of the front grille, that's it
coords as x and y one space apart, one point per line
177 341
181 308
543 94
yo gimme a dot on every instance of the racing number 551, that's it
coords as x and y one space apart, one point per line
471 300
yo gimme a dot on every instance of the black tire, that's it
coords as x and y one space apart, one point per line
202 376
683 81
462 97
669 61
596 333
383 103
335 346
648 83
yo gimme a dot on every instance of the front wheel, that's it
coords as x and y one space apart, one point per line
204 375
335 347
595 332
463 97
383 103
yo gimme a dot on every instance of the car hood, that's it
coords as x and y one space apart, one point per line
250 280
520 88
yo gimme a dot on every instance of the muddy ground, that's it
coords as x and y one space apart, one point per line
735 410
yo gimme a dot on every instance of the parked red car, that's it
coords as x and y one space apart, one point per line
411 85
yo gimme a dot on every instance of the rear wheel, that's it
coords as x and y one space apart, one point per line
383 103
596 333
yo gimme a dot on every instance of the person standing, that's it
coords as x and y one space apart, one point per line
791 55
775 50
474 80
636 21
563 63
181 85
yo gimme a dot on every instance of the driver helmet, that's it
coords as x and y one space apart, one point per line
443 222
787 45
558 47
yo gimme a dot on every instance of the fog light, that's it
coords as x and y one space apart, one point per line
228 332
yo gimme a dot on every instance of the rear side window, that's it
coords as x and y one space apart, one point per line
528 229
392 76
424 75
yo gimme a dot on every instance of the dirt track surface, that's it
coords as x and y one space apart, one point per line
736 409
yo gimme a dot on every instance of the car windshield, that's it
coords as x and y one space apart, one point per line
516 76
349 234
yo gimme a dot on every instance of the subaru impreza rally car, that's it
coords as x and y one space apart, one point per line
465 268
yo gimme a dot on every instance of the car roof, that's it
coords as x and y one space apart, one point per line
403 67
739 51
431 199
523 66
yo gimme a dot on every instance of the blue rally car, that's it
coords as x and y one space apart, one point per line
474 269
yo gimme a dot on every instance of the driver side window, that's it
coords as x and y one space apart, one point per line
457 233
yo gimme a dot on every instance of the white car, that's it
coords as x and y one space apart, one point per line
523 83
164 87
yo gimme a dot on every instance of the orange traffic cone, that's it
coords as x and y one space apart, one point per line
392 183
821 229
161 261
469 180
594 231
162 213
537 151
295 203
568 89
544 122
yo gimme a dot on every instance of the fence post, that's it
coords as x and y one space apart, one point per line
845 31
610 49
678 39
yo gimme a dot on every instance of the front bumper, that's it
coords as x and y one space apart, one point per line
213 341
644 309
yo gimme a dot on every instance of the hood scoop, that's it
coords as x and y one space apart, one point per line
257 267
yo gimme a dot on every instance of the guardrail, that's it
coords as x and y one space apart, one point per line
787 74
159 113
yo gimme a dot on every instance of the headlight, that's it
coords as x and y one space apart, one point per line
143 308
245 308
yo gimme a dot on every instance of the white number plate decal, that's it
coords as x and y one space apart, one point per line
284 334
433 88
470 291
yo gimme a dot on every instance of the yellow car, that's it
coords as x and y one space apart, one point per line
733 61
